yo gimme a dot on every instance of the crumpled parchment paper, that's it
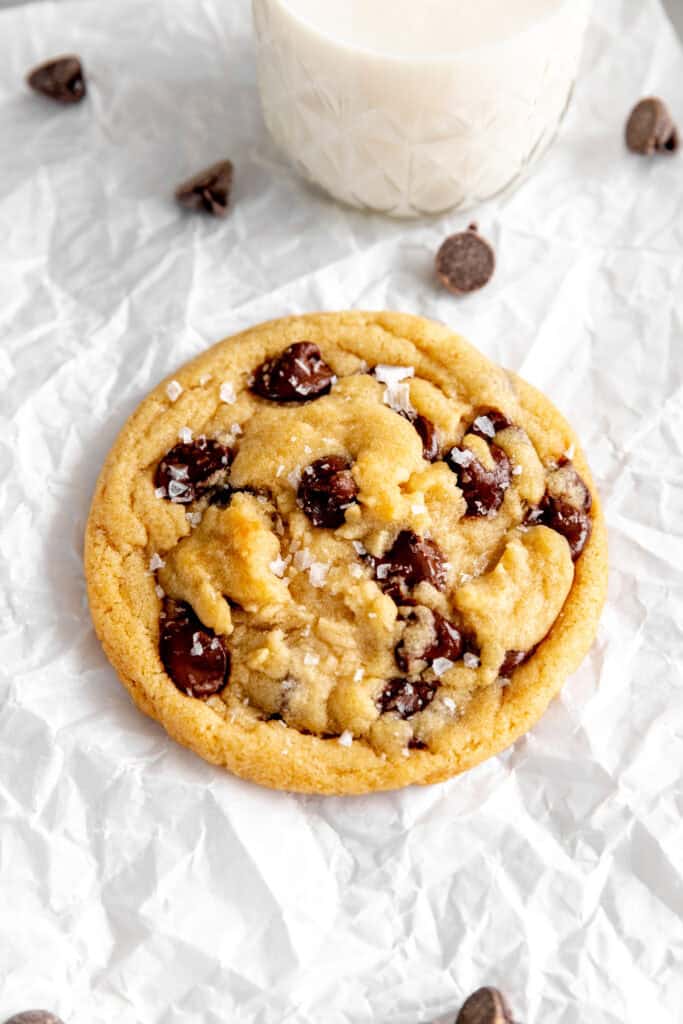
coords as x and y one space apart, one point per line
138 884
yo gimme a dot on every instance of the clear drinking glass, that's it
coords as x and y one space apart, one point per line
416 134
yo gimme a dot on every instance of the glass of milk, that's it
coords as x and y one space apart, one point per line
413 107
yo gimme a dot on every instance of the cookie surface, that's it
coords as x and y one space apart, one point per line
345 552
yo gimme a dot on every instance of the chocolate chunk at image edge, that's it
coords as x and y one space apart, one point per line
208 190
298 374
650 128
197 661
465 262
61 79
326 490
485 1006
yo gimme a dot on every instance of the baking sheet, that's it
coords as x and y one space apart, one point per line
138 883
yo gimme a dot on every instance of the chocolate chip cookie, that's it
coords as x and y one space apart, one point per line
345 552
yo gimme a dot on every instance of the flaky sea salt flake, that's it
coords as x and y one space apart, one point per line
185 435
227 393
470 660
173 390
317 573
346 739
156 562
441 665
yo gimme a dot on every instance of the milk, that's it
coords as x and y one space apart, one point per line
416 106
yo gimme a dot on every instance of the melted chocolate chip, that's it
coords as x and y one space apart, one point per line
482 488
297 375
409 561
326 490
511 661
221 496
485 1006
209 190
428 434
573 523
565 507
650 128
427 635
60 79
465 262
487 423
195 658
405 697
34 1017
184 472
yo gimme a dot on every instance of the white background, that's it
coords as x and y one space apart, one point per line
138 883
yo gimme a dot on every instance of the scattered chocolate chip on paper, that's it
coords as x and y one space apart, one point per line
485 1006
209 190
650 128
59 79
465 261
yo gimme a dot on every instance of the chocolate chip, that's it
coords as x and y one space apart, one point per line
565 507
485 1006
221 496
326 490
486 424
465 262
650 129
409 561
428 434
209 190
511 661
573 523
482 488
60 79
185 472
427 635
195 658
405 697
34 1017
298 374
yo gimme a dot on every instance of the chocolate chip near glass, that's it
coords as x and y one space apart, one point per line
488 423
410 560
209 190
298 374
650 128
195 658
465 262
185 471
406 697
326 490
485 1006
34 1017
482 488
427 635
59 79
